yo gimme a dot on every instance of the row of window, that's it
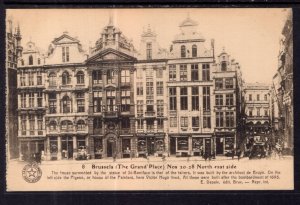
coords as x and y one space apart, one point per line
67 125
30 61
220 101
183 76
224 83
258 97
33 99
30 78
149 88
184 122
149 73
150 107
184 98
150 124
32 120
225 119
258 112
97 76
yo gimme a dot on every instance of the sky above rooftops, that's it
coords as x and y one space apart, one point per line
250 36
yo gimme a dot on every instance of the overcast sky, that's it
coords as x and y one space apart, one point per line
251 36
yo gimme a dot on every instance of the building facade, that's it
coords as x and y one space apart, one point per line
283 88
13 52
150 92
190 93
111 95
227 104
258 110
119 102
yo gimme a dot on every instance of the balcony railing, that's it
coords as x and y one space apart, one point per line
149 114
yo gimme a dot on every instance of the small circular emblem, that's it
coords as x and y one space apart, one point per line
32 173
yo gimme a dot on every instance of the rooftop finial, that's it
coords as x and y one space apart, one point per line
111 20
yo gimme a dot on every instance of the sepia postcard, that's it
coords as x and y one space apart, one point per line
149 99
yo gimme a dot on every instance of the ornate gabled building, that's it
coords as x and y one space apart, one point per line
190 93
150 90
227 103
66 98
31 103
111 95
13 52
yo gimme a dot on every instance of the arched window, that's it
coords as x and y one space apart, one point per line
52 125
66 104
52 79
183 52
80 77
66 125
194 51
80 125
66 78
30 60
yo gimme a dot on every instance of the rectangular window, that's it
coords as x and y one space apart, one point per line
40 99
160 124
206 98
23 100
31 99
205 72
228 83
39 78
97 101
149 88
206 122
140 124
173 122
125 76
149 105
30 79
250 97
219 100
219 83
52 103
80 102
160 108
149 51
258 112
257 97
125 100
195 72
97 76
229 119
97 123
23 124
184 122
63 54
229 99
22 79
219 119
195 98
139 88
183 72
173 99
40 122
266 97
172 72
183 99
160 88
31 124
250 113
150 125
195 122
67 54
266 112
140 107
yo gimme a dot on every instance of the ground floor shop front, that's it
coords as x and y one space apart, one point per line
128 146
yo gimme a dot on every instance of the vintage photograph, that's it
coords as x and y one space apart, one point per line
149 99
